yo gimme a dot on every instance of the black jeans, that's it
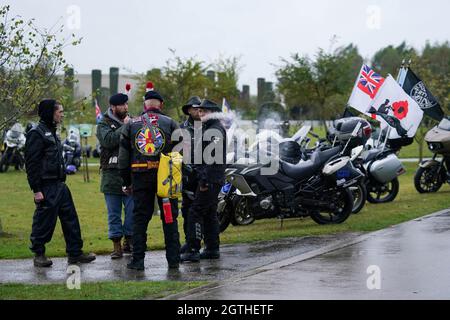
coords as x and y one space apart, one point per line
202 219
57 203
144 192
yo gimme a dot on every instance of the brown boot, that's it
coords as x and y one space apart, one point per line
117 253
127 245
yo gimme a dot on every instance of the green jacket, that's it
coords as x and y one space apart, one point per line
109 131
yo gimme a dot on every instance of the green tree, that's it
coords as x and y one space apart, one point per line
225 86
182 78
319 86
433 67
389 59
30 60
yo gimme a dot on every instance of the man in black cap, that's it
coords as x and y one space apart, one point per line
46 177
143 140
203 222
109 130
190 182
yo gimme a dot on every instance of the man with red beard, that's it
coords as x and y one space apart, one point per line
109 130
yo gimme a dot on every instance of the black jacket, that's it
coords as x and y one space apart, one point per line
43 157
213 134
141 147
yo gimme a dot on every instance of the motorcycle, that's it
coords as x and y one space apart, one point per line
432 174
317 187
13 149
264 138
72 153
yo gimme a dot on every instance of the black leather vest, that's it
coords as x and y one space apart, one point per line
150 134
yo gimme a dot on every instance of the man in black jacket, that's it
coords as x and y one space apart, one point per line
203 222
142 141
46 177
190 182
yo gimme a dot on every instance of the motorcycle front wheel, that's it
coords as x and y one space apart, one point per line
428 179
242 216
343 203
382 193
4 162
359 193
224 212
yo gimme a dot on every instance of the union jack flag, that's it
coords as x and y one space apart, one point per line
369 81
98 112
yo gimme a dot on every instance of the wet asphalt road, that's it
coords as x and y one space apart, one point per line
235 261
407 261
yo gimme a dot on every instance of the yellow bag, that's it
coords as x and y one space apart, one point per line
170 175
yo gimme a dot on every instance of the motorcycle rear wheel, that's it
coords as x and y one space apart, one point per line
382 193
343 199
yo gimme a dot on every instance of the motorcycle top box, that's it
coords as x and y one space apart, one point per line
343 129
438 138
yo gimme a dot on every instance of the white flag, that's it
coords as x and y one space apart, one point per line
397 109
366 87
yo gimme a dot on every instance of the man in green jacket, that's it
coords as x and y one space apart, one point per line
109 130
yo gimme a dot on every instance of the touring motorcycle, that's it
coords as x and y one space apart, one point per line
432 174
13 149
317 187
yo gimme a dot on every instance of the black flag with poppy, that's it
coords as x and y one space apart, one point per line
416 89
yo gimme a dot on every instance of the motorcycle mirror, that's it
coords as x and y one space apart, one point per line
356 152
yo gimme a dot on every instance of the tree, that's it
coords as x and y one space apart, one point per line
319 86
389 59
30 60
225 86
182 78
433 67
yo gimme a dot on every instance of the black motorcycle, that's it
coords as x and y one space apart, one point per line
317 187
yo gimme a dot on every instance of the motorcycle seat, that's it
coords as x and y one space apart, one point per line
370 155
298 171
305 169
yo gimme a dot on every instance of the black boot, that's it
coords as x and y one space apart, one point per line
184 248
210 254
127 245
83 258
41 261
136 264
190 256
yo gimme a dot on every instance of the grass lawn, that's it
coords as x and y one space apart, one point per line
17 207
123 290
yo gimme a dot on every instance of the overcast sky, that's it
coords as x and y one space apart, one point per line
136 34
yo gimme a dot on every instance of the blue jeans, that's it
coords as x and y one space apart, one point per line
114 204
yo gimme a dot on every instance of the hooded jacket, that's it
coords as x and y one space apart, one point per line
43 150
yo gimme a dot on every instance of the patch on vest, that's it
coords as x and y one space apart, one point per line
150 141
